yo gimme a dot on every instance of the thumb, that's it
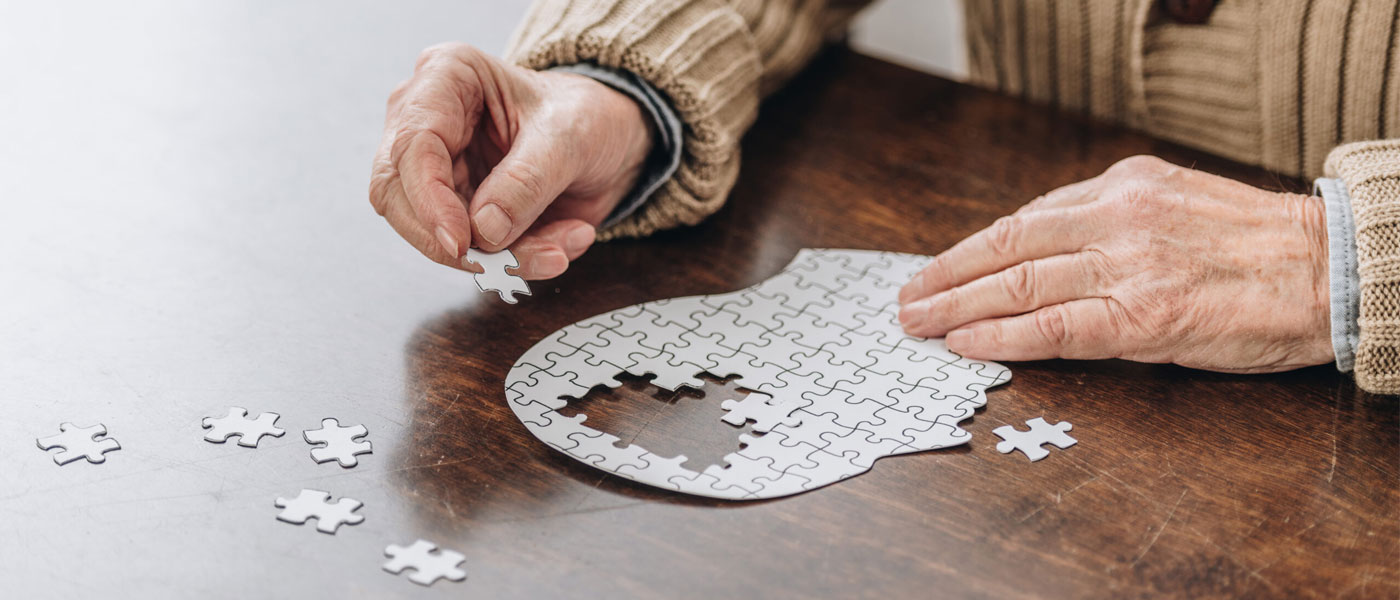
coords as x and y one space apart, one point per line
518 189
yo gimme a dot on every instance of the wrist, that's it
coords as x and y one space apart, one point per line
1313 220
611 134
637 132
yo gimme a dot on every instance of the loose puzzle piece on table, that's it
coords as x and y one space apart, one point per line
495 278
837 383
237 423
315 504
428 563
1029 442
77 443
340 444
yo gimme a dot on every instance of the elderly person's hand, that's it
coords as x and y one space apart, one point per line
477 152
1148 262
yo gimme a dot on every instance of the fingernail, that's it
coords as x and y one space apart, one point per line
493 224
911 289
961 339
913 315
578 239
448 242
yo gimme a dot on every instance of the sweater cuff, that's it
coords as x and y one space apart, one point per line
1343 281
1371 172
665 156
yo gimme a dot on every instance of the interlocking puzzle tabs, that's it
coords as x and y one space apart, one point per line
835 382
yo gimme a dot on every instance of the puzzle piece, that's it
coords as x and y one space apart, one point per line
236 422
765 411
1029 442
836 382
494 278
315 504
428 563
76 442
340 444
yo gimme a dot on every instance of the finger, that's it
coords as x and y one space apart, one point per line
1010 240
425 167
546 250
518 189
1074 194
401 217
1019 289
1089 328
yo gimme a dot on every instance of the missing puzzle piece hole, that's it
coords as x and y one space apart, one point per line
667 423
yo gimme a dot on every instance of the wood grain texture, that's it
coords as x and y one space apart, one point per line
1183 484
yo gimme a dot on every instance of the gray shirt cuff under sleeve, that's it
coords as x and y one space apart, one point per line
1343 281
665 155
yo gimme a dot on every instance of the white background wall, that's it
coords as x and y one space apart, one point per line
922 34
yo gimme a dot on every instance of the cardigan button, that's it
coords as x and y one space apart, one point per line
1190 12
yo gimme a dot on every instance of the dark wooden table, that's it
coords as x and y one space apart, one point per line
230 262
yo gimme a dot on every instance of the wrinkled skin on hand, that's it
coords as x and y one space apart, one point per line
478 152
1147 262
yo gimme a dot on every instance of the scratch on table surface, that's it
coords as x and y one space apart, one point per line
1160 529
1336 412
1316 523
1059 496
1256 574
447 408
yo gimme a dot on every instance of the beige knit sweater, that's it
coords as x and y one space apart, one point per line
1277 83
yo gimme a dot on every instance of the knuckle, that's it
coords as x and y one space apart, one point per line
530 179
437 51
1097 266
1034 204
950 302
1136 203
1053 325
380 183
936 273
378 198
402 143
1141 164
1003 235
1018 283
399 91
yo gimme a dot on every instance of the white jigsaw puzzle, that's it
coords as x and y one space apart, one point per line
428 563
78 443
839 385
237 423
1030 442
316 504
765 411
495 278
340 444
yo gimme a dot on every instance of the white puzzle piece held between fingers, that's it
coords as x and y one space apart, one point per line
839 385
495 278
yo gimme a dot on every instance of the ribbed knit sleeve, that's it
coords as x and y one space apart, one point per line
1276 83
713 59
1371 171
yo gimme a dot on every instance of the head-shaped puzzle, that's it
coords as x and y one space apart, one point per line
837 382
